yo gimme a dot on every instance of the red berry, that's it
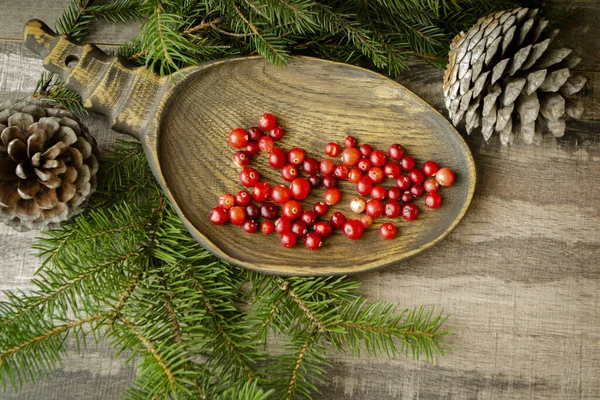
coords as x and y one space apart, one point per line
387 230
326 167
300 188
288 239
406 197
332 149
266 144
254 133
323 228
358 205
417 190
289 172
252 148
430 168
364 186
392 170
341 171
226 201
280 194
433 200
299 228
309 217
261 191
378 193
353 229
376 174
403 182
277 158
243 198
252 211
374 208
366 221
354 175
241 158
267 121
431 185
364 164
350 141
392 209
249 177
250 226
445 177
321 208
314 180
350 156
394 193
296 156
332 196
396 152
410 211
337 220
365 150
378 158
313 241
237 215
291 209
416 175
329 181
218 216
310 166
268 210
267 227
283 225
238 138
407 163
276 133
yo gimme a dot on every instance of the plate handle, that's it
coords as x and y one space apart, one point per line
129 96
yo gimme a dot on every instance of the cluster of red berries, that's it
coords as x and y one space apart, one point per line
362 165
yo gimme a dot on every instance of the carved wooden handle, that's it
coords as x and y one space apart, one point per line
128 95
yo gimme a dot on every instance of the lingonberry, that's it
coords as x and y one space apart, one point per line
250 226
280 194
226 201
255 133
445 176
378 192
237 215
252 211
326 167
267 121
387 230
283 225
350 141
341 171
392 209
433 200
392 169
364 185
431 185
299 228
406 197
314 180
354 175
376 174
276 133
417 190
358 205
394 193
378 158
364 164
416 175
396 152
410 211
241 158
300 188
332 149
218 216
365 149
266 144
243 198
374 208
332 196
337 220
350 156
289 172
310 166
238 138
353 229
430 168
366 221
407 163
321 208
277 158
268 210
261 191
291 209
323 228
267 227
252 148
309 217
329 181
403 182
296 156
313 241
249 177
288 239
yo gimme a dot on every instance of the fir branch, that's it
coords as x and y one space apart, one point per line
118 11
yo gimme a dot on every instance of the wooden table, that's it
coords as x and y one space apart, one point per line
520 275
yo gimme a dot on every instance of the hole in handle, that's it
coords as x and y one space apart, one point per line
71 61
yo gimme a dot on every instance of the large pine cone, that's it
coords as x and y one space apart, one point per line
48 164
502 77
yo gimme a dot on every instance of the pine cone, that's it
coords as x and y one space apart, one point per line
502 77
48 164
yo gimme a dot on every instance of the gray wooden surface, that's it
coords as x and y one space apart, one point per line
520 274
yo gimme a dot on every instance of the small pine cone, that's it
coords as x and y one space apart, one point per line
48 164
502 77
